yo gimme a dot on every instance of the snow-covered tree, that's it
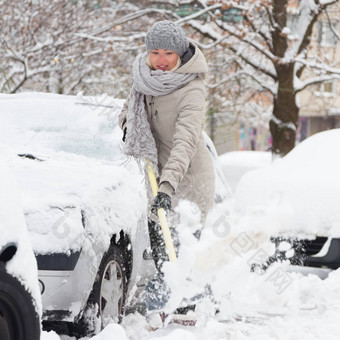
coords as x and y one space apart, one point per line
39 45
68 46
233 101
268 53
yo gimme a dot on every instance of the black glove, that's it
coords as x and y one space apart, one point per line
162 200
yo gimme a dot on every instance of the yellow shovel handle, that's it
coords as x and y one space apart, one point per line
162 216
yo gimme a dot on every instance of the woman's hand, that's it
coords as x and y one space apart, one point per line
162 200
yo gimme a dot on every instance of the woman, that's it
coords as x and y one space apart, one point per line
164 117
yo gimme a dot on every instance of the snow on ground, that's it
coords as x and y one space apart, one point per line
277 304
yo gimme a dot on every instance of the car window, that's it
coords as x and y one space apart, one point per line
82 125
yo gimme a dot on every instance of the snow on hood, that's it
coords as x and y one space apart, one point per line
299 193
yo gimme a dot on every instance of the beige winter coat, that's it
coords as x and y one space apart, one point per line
177 121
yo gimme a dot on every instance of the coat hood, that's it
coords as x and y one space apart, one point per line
196 64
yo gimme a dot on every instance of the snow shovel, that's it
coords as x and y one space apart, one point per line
169 245
156 291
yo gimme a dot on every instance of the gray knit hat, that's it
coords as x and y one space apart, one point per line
168 36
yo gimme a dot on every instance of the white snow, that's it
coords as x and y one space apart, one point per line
78 165
299 193
236 163
278 304
81 125
286 30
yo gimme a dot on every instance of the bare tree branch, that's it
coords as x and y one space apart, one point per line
127 18
318 65
316 80
331 26
239 74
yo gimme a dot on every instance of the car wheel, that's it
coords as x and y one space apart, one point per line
19 319
106 301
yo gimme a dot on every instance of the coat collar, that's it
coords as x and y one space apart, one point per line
195 64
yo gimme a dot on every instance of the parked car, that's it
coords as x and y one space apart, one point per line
84 206
85 211
296 200
20 304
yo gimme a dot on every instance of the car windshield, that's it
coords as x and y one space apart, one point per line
34 122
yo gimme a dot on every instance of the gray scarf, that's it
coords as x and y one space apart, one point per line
140 142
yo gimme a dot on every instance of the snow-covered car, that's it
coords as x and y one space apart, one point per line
84 206
295 200
85 211
20 301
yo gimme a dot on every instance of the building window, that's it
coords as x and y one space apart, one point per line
326 89
292 22
232 15
185 10
326 36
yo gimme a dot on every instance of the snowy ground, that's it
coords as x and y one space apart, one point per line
278 304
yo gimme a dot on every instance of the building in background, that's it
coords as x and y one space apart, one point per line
320 104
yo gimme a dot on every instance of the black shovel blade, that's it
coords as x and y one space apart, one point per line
157 294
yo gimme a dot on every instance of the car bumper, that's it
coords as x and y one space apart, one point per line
328 257
65 282
318 256
322 273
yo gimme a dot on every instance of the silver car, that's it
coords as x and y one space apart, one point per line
85 211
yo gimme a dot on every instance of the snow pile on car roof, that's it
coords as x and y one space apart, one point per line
81 125
299 193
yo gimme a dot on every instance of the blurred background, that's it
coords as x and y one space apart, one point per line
273 65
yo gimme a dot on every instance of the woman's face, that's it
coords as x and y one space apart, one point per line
163 60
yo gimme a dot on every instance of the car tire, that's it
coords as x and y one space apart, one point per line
19 319
107 298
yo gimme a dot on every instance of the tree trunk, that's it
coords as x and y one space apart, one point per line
285 112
